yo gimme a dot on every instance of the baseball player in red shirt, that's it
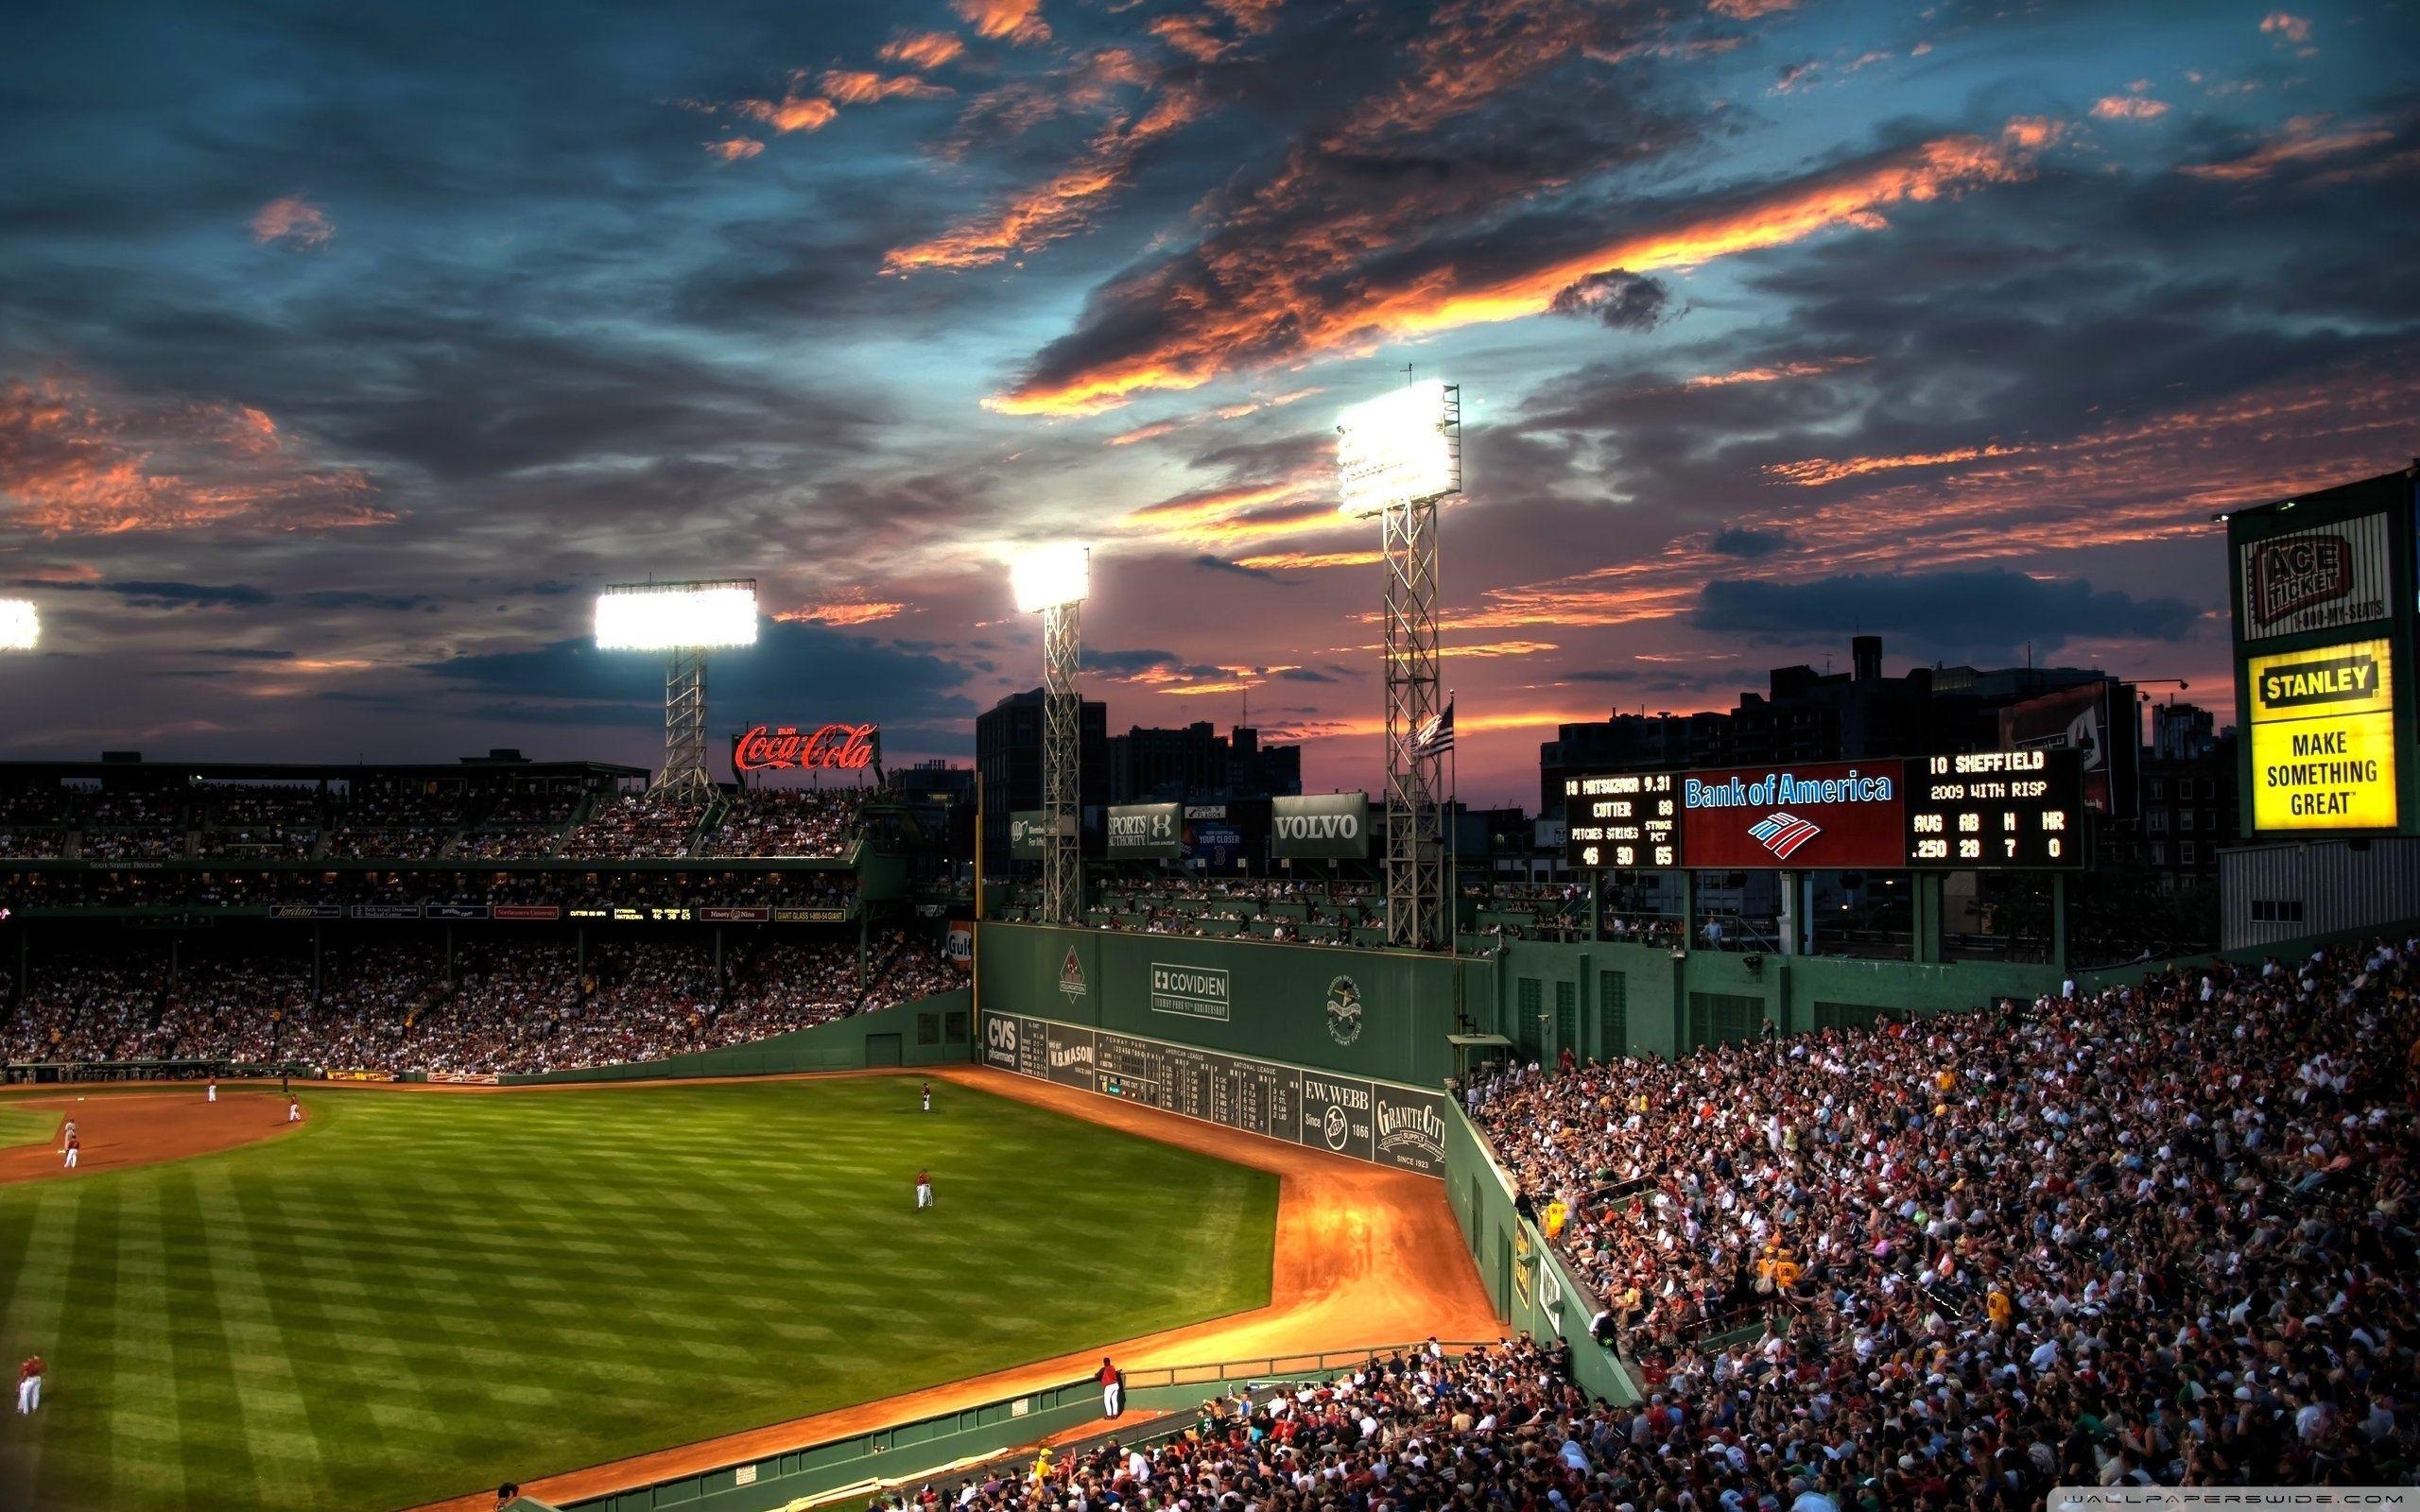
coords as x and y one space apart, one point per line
75 1147
29 1383
923 1190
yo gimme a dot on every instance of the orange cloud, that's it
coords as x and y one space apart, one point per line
1236 411
858 86
922 49
791 112
1775 374
1305 560
2291 28
2304 141
2128 108
1816 471
1750 10
735 150
844 612
293 222
1268 304
1190 35
1015 21
67 573
76 462
1059 207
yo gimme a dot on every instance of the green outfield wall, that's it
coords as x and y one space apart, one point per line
1376 1014
1532 1290
928 1032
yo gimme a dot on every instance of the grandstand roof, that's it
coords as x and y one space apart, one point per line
124 763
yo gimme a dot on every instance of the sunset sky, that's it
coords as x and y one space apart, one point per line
345 351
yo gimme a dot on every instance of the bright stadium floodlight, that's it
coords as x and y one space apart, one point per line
1053 581
1045 577
20 625
687 619
676 616
1396 456
1400 447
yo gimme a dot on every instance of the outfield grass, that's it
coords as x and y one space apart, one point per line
26 1126
420 1295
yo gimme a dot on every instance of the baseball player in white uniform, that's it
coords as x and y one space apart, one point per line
923 1190
214 1088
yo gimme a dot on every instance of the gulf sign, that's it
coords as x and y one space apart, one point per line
1798 819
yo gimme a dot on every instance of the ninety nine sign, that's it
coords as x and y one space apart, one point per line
795 747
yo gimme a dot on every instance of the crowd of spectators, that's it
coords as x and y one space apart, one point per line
240 888
1417 1431
636 827
2160 1234
502 1004
786 821
398 823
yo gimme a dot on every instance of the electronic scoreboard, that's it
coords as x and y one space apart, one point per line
1996 811
1625 820
1980 811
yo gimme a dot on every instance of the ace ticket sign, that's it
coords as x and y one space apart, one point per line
2323 739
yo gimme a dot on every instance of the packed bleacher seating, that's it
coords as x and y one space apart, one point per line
397 824
240 888
636 827
777 822
1417 1431
521 824
257 819
510 1004
2160 1234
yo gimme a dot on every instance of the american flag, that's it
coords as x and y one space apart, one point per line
1435 736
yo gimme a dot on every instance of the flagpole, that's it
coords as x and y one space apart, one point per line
1454 854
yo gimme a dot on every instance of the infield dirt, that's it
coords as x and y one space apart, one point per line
120 1129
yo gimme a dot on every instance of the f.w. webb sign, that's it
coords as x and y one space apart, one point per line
1320 827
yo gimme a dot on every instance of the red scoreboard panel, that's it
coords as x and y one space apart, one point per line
1819 816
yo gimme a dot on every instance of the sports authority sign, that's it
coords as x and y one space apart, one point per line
1812 818
806 749
2323 578
1320 826
1388 1124
1143 831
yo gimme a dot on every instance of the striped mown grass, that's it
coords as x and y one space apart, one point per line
420 1295
26 1126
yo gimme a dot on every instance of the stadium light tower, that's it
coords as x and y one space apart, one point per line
687 620
1053 581
1397 455
20 625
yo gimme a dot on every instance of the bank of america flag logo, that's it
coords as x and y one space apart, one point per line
1781 833
1435 736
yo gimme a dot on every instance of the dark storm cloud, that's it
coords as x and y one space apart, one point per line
1219 564
1621 301
215 595
1747 543
1126 663
1989 610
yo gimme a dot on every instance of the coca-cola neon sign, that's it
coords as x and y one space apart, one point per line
790 747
